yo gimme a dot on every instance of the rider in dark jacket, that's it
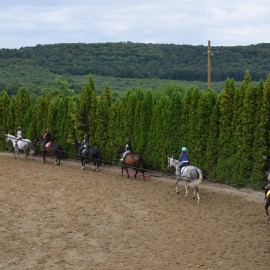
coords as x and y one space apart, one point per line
183 158
84 144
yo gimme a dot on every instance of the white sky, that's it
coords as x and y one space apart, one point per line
194 22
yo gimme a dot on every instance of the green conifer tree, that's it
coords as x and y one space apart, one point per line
259 163
145 123
204 113
211 153
22 105
88 103
5 113
226 132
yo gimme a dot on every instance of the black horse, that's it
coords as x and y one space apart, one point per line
90 155
133 161
53 148
267 192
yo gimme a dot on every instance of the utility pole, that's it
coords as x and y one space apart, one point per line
209 54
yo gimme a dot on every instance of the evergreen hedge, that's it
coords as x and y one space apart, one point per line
227 134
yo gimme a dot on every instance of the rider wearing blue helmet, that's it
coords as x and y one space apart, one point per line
183 158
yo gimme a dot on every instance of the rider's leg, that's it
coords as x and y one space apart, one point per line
124 154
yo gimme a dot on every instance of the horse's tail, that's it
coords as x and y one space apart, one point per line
200 177
143 165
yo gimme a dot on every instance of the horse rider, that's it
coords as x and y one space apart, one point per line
19 136
46 137
266 189
183 158
128 149
84 144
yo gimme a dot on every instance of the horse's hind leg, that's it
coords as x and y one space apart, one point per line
96 166
267 204
196 191
135 174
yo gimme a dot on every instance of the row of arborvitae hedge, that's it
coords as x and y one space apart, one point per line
226 134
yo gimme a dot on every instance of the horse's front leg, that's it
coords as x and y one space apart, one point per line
57 160
136 172
186 187
81 158
176 187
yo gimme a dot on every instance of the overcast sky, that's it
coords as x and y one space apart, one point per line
194 22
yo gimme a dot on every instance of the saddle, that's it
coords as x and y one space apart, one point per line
84 151
182 167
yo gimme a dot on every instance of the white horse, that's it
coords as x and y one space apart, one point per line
24 145
190 174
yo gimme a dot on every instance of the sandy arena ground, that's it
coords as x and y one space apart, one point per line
59 217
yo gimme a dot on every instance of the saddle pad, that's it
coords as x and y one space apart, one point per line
48 144
268 193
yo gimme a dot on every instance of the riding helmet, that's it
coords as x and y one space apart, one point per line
184 149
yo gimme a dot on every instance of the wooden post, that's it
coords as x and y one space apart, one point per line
209 63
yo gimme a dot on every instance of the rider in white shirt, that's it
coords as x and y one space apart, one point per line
19 135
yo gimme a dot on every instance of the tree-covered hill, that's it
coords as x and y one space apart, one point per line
40 64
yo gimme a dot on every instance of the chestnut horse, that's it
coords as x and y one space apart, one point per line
132 161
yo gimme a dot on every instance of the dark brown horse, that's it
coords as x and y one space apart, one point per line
53 148
132 161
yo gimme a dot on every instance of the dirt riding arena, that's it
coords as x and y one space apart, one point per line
59 217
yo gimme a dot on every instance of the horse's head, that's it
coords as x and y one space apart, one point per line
76 144
170 162
9 138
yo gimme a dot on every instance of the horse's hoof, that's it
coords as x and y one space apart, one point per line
96 170
177 192
82 168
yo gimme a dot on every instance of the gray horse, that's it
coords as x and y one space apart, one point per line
190 174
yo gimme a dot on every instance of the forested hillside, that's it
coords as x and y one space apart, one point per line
227 134
36 67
